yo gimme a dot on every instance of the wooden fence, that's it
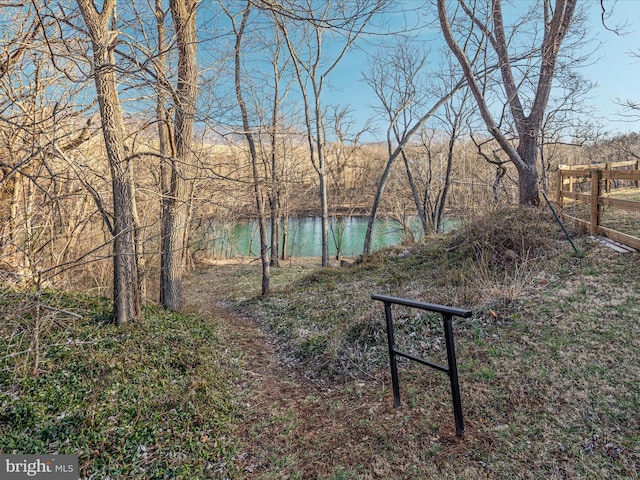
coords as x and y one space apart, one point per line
602 178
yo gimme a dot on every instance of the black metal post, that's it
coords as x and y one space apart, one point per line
452 368
566 234
453 374
395 382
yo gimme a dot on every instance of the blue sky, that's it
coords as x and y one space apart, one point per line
615 71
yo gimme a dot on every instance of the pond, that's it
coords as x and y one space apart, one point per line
228 240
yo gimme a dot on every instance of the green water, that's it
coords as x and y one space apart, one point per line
226 240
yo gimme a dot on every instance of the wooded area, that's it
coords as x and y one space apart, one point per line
127 129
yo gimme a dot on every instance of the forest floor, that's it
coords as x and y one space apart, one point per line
294 427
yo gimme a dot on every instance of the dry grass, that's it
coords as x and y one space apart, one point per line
549 362
296 385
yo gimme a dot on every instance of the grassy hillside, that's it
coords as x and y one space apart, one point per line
549 368
548 362
147 401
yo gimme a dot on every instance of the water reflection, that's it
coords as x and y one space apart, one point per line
228 240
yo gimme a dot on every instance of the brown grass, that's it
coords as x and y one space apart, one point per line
549 362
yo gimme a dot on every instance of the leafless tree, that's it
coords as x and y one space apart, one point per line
266 83
277 187
568 120
399 84
346 172
166 150
489 23
126 292
453 120
305 28
253 151
398 77
181 169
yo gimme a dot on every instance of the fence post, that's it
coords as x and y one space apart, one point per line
560 185
570 183
596 176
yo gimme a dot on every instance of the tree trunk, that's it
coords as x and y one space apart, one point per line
324 209
257 183
176 211
274 259
416 198
285 229
165 141
382 183
274 196
321 168
557 23
126 293
529 193
447 183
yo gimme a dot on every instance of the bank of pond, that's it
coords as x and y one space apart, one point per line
227 239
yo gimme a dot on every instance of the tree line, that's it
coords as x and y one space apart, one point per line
125 126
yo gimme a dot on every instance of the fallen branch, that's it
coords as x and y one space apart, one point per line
61 310
29 350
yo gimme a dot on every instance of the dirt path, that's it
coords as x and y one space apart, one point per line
292 428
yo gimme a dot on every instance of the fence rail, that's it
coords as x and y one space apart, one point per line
602 177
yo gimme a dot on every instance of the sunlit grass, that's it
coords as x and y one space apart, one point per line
548 366
546 361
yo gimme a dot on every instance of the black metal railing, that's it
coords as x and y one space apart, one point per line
452 369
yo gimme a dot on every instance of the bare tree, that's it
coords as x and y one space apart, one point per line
456 112
398 78
21 122
557 20
126 292
311 23
178 189
277 185
568 116
253 152
345 173
398 83
166 147
266 83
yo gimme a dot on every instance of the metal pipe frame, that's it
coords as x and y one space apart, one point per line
452 368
